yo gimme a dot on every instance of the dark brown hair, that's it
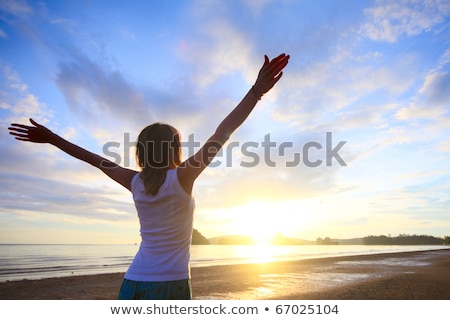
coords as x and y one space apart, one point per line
158 149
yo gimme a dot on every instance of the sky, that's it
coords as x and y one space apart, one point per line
354 140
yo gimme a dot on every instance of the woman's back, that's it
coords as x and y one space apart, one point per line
166 220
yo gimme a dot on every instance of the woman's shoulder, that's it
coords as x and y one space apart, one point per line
176 175
135 180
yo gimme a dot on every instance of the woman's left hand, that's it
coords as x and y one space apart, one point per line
270 73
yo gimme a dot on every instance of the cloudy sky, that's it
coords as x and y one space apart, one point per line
353 141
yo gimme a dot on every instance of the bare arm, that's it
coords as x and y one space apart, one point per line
268 76
40 134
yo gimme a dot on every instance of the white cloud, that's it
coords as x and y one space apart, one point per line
201 8
256 6
47 196
237 185
333 93
433 99
69 133
389 20
218 49
444 59
444 147
91 88
27 105
419 112
20 103
18 8
11 79
3 34
436 89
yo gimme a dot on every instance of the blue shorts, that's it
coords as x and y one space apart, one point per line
165 290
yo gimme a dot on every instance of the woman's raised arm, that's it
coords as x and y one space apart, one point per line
269 74
38 133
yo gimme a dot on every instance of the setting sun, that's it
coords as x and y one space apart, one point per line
259 220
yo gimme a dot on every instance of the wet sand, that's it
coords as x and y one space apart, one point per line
399 276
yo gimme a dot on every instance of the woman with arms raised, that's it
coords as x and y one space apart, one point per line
162 190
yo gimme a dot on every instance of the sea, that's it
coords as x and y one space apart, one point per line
39 261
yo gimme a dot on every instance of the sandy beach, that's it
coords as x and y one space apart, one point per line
421 275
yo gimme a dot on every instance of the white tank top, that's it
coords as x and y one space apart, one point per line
166 221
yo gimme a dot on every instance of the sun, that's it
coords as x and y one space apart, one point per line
264 233
270 222
262 239
259 221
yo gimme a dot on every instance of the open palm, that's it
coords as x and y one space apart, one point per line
35 133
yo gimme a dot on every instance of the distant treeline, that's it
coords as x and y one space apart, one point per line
405 239
327 241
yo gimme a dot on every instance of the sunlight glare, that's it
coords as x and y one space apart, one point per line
260 222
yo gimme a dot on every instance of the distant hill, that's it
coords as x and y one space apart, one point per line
198 238
280 240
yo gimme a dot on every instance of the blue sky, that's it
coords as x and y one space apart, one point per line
375 74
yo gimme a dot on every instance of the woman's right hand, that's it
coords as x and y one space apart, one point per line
270 74
36 133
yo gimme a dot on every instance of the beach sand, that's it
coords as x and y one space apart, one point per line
421 275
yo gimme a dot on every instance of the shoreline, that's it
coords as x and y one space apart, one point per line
418 275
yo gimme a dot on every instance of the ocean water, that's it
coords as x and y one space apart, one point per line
48 261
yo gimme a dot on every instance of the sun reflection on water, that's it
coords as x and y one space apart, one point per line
259 253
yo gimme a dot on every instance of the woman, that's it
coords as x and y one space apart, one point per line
162 191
